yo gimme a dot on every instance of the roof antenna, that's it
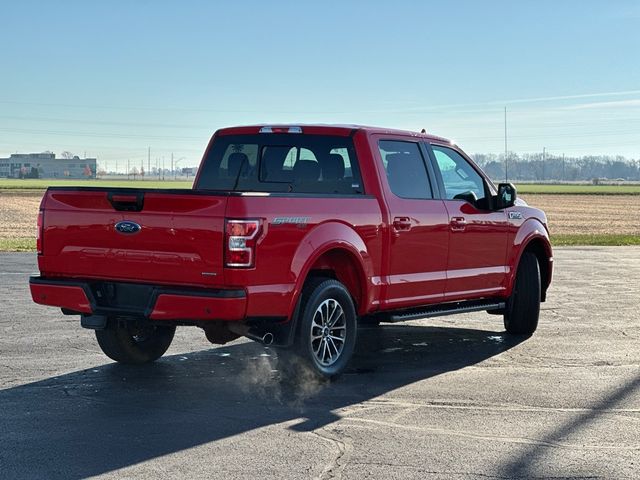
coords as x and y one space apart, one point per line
423 131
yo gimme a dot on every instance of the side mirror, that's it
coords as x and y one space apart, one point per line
506 196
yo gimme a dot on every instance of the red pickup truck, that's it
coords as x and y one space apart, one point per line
290 236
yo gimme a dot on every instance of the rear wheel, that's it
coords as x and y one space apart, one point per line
134 344
326 333
523 308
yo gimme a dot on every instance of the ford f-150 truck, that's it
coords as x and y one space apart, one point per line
290 236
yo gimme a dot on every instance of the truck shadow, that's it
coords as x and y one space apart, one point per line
101 419
527 462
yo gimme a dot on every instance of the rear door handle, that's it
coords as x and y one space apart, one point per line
402 223
458 224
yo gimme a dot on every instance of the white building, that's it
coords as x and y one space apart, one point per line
46 165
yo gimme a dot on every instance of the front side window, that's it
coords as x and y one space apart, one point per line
458 176
405 168
282 163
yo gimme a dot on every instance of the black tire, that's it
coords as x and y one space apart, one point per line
134 344
523 307
324 356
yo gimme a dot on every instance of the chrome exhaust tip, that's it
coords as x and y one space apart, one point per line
267 339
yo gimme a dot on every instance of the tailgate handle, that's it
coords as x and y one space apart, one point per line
126 202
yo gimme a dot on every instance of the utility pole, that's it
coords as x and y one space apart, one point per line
175 173
128 168
163 167
544 154
506 163
171 165
116 167
148 160
563 167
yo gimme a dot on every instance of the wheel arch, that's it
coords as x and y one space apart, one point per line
533 237
334 250
537 247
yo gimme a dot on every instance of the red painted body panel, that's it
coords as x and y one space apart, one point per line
181 243
286 252
169 307
415 262
70 297
180 239
476 263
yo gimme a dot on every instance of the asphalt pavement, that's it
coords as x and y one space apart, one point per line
447 398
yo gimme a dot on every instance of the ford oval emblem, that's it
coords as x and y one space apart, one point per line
127 227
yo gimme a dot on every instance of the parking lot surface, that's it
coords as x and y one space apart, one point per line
440 398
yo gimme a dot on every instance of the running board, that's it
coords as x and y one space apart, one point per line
446 309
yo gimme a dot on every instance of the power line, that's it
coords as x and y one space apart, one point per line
102 122
90 134
448 107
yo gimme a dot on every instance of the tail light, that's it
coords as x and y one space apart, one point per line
39 232
241 238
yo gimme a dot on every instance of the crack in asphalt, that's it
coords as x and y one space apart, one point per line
492 438
337 464
461 405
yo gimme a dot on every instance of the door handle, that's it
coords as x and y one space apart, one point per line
458 224
402 223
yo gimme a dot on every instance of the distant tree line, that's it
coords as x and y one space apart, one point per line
539 167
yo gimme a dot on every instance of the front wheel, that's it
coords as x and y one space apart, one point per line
134 344
523 308
326 334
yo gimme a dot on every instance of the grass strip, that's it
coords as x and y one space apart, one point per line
41 184
594 239
545 189
17 244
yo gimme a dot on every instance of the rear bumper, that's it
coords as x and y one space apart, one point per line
153 302
63 295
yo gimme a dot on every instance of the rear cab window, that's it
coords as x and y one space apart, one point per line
405 168
282 163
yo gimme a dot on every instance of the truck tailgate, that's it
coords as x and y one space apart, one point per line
93 233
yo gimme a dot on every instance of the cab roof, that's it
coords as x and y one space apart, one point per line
342 130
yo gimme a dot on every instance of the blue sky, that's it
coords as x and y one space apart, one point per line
112 78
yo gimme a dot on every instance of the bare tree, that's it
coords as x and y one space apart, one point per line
67 155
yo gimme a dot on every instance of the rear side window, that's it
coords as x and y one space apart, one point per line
406 170
282 163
